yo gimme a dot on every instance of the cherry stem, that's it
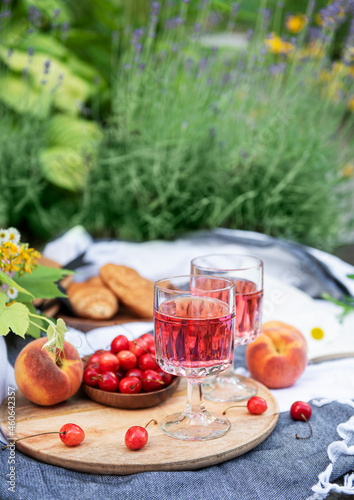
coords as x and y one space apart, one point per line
33 435
135 343
146 380
233 406
306 437
152 420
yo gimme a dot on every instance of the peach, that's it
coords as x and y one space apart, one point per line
43 380
278 357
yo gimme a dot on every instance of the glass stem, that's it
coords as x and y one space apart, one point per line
195 403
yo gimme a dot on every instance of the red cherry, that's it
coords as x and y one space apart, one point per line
256 405
90 376
136 437
166 377
152 350
301 411
135 372
152 381
108 381
130 385
108 362
127 360
120 373
71 434
120 343
96 356
138 347
148 338
147 362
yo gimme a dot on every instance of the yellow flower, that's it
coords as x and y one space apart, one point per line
348 170
295 24
351 104
278 46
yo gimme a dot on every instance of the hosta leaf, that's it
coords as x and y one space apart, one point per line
14 317
19 96
69 131
41 283
64 167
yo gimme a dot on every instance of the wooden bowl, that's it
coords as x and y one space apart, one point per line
131 401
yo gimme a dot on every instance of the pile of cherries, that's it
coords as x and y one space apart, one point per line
130 367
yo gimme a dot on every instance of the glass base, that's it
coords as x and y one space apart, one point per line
195 426
229 388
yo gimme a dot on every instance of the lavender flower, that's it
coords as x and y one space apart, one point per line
30 51
56 13
189 64
277 69
9 53
197 27
46 66
141 66
212 132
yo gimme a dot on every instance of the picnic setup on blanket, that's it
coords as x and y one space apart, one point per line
219 364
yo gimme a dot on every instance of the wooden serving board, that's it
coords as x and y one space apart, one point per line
103 451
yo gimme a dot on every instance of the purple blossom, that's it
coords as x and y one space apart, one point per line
266 13
5 13
203 63
197 27
43 82
6 1
249 34
65 27
9 53
189 64
46 66
56 13
127 66
277 69
141 66
212 132
30 51
244 153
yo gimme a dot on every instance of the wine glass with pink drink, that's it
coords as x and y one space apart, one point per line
194 334
247 274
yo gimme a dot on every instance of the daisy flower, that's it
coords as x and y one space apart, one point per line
12 293
4 236
14 235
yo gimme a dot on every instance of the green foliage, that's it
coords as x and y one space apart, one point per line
41 283
13 317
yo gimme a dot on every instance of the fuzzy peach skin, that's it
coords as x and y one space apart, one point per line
278 357
41 379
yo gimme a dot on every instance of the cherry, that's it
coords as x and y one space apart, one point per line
152 350
108 381
71 434
136 437
147 362
301 411
135 372
152 381
120 343
127 360
130 385
120 374
96 356
138 347
166 377
148 338
90 376
108 362
256 405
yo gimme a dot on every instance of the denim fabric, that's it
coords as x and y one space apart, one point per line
280 468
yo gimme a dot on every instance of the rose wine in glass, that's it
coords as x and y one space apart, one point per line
247 274
194 339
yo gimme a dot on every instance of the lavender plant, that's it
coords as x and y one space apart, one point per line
203 137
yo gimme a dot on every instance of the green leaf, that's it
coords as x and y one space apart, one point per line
33 330
13 284
56 336
14 317
351 276
64 167
42 282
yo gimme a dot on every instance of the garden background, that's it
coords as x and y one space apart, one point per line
144 120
